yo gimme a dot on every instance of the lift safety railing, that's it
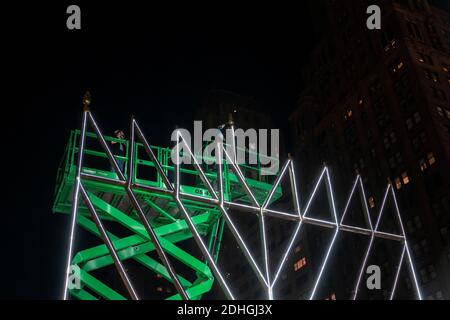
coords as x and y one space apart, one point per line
220 198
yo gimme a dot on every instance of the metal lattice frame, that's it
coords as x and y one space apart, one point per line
218 200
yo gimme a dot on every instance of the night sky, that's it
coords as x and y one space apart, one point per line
156 62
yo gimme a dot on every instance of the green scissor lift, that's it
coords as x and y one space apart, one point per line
112 204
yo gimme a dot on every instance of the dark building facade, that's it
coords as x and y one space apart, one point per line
378 103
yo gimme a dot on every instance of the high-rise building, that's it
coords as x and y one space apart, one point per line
377 103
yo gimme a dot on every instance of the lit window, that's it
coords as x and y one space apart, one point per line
423 165
445 68
397 67
300 264
159 289
431 158
398 183
423 58
371 202
387 40
405 178
360 102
